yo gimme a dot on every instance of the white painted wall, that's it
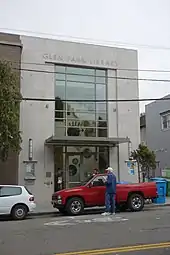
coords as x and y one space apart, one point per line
37 121
128 115
123 117
37 118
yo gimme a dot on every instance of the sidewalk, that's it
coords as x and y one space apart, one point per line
47 209
167 203
44 209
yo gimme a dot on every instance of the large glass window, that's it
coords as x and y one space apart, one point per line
76 108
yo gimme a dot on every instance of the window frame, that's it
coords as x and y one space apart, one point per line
28 191
166 114
99 177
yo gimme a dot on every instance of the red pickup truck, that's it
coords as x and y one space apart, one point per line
92 193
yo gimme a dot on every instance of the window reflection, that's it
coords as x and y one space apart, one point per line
59 105
81 118
80 111
100 91
80 91
101 76
60 89
81 71
80 78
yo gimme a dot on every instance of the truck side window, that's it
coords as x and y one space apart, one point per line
98 181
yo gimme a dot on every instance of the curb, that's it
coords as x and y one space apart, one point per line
43 213
58 214
157 205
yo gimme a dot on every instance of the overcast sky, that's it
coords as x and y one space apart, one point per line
136 23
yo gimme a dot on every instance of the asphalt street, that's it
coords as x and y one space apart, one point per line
88 234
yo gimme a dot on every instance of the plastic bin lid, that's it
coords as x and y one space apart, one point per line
158 179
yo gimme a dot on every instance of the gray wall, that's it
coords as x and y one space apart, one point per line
10 50
158 139
143 128
143 135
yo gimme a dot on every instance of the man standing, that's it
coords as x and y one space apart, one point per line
110 192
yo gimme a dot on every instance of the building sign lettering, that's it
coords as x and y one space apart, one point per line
81 123
79 60
75 124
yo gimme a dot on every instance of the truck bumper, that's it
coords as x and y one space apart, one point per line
57 205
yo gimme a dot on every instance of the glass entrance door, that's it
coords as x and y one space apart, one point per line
74 165
74 162
80 167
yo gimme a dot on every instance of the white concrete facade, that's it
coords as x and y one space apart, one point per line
37 118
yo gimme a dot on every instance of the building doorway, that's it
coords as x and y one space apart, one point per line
80 167
74 165
59 166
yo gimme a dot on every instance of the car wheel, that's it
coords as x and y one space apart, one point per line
19 212
136 202
75 206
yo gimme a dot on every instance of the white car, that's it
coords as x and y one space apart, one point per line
16 201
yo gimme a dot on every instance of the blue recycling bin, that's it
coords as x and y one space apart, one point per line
161 189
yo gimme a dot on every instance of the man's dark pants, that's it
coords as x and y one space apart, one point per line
110 202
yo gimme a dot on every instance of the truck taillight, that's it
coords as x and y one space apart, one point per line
31 199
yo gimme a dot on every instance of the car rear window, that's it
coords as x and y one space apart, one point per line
10 191
28 191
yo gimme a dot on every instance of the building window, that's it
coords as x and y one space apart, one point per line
165 121
76 108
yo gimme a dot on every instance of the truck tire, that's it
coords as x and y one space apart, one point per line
75 206
136 202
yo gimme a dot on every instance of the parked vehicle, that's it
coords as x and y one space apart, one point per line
16 201
92 193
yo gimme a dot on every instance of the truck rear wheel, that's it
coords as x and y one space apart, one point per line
136 202
75 206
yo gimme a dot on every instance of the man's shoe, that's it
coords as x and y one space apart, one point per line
113 213
105 214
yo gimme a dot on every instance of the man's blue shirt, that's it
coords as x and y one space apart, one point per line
111 184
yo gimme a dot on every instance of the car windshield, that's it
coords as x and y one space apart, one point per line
87 180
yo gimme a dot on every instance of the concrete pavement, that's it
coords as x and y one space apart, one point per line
48 235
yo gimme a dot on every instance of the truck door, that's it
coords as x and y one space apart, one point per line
96 193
